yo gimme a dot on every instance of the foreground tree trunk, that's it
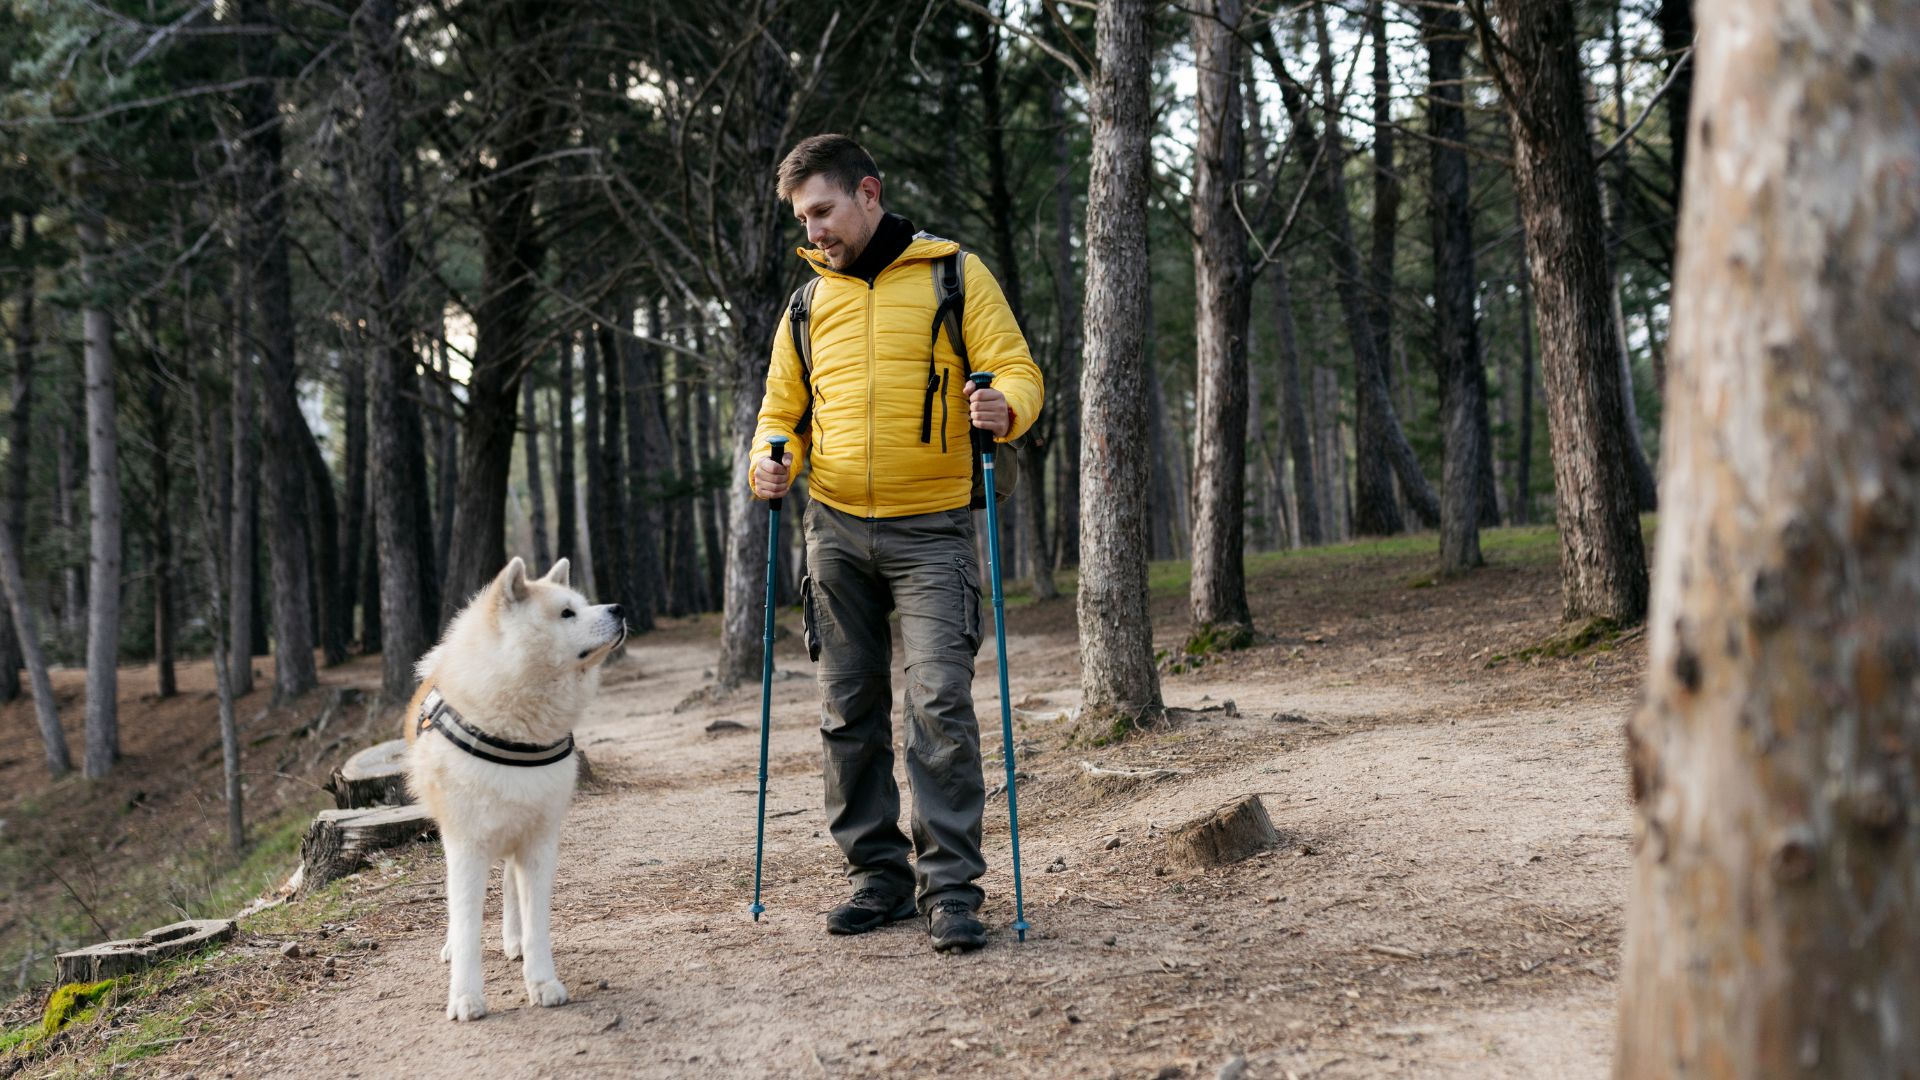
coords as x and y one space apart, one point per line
103 503
1463 388
1117 675
1776 895
1603 562
26 635
1218 592
398 467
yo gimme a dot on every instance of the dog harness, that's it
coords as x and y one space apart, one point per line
437 715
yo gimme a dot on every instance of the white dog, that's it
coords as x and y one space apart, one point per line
492 760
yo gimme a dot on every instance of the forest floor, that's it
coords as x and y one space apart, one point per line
1446 899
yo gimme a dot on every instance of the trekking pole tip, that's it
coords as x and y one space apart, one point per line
1021 928
757 908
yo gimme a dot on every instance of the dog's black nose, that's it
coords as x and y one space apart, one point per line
616 612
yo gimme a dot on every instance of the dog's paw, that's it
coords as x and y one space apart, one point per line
446 952
511 947
547 993
466 1006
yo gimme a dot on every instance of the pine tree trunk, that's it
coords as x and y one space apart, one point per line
1217 595
707 502
606 487
1306 487
1603 567
210 465
1463 389
1776 889
566 516
160 526
353 408
1065 390
263 187
445 432
398 475
1117 675
20 611
1161 517
1645 487
1523 465
13 512
689 585
245 467
648 458
73 606
536 483
331 593
103 504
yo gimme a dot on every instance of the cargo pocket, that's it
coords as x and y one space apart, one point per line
970 614
809 626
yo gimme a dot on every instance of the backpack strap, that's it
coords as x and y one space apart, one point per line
950 294
800 328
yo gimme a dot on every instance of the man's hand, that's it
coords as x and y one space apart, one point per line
771 481
988 409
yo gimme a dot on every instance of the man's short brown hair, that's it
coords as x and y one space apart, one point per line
836 157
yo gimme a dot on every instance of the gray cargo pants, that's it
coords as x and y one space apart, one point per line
924 567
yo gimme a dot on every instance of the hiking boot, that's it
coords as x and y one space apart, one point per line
868 909
953 928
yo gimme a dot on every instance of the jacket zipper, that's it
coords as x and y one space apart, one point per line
871 510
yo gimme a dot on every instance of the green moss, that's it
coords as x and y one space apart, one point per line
1594 634
74 1003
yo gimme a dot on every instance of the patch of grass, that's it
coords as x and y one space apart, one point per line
1598 635
1206 645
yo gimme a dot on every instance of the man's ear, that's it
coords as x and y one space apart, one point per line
513 582
559 574
870 188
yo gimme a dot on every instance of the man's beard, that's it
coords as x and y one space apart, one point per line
850 252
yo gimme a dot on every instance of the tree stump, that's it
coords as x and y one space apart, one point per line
375 776
112 959
1229 834
340 841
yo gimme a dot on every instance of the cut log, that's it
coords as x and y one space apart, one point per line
1107 779
1229 834
112 959
340 841
375 776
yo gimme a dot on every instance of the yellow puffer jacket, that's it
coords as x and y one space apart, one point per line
870 349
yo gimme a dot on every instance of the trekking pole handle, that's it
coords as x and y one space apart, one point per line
778 446
982 439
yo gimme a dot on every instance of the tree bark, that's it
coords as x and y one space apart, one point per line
708 502
160 528
245 466
613 570
648 457
1523 468
1117 675
1217 595
398 480
1463 388
1776 888
353 408
566 545
536 483
331 595
263 189
13 513
1603 566
103 504
1066 301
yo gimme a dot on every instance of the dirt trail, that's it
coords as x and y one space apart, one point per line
1446 902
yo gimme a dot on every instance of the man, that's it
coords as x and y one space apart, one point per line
883 415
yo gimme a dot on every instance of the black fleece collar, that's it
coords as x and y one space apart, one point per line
890 237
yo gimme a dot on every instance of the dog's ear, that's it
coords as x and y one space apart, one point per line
559 574
513 582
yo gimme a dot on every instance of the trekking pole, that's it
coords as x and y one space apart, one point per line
983 442
778 443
